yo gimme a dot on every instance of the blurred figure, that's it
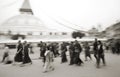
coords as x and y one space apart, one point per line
100 54
52 46
6 58
95 48
26 58
72 53
78 50
31 48
19 56
63 53
87 51
48 60
106 46
112 44
117 47
57 49
42 50
40 45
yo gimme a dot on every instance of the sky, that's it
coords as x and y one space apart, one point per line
67 14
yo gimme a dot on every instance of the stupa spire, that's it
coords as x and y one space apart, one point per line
26 8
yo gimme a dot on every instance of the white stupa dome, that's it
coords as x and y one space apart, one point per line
23 23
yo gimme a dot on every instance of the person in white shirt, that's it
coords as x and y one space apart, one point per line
48 60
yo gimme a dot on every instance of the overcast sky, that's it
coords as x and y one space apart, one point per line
77 14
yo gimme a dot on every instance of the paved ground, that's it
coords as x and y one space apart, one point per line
88 69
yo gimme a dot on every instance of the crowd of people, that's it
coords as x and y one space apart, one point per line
114 45
49 51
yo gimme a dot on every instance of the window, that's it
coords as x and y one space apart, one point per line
41 33
50 33
64 33
55 33
29 33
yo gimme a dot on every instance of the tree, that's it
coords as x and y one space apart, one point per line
77 34
15 37
74 35
80 35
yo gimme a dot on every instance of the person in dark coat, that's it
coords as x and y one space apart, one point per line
63 53
117 47
87 51
78 50
41 45
95 48
112 45
100 54
43 50
19 56
26 58
77 45
72 53
57 49
52 46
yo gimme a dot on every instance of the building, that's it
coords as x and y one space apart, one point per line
27 24
113 31
93 32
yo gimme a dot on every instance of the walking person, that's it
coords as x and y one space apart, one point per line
117 47
19 56
100 54
53 49
95 48
26 58
63 53
41 49
78 50
72 53
113 48
48 60
6 57
31 48
57 49
87 51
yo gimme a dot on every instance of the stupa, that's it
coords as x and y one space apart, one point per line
24 23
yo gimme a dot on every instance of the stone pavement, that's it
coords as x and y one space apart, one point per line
88 69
